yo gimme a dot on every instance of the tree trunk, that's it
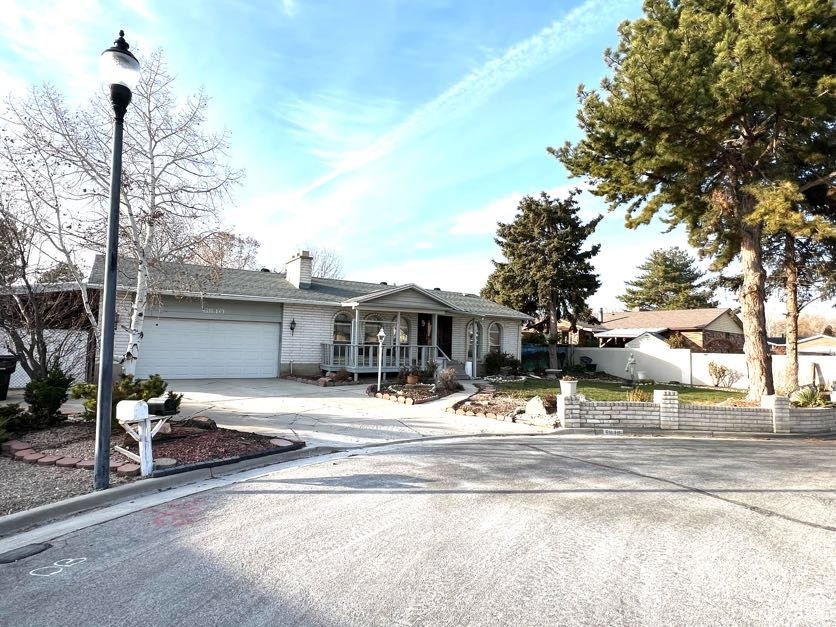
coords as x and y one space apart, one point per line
137 318
752 296
552 339
791 327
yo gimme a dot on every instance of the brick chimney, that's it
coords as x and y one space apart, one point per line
299 270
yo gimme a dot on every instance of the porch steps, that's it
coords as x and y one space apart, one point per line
458 366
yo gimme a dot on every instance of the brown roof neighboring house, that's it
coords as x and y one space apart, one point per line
672 319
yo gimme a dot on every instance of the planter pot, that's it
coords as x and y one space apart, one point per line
412 379
568 388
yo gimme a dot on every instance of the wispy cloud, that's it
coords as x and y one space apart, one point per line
559 37
289 7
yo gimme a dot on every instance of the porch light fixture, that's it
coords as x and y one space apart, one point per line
381 335
120 71
292 325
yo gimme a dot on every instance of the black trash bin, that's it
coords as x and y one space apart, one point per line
8 363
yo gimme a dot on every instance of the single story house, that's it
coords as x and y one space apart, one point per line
815 344
204 322
715 330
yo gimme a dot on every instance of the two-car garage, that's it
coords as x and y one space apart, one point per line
177 348
187 340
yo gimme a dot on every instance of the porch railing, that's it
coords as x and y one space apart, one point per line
364 357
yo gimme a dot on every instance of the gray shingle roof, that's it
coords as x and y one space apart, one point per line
673 319
187 279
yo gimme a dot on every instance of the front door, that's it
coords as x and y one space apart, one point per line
425 325
445 335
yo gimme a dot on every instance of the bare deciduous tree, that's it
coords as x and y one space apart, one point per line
175 178
327 264
225 249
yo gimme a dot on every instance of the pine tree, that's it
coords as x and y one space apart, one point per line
546 271
718 114
669 280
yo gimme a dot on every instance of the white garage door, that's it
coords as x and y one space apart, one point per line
209 349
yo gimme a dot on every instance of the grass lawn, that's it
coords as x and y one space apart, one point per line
611 391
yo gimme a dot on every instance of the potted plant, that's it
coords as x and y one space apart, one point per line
414 376
568 386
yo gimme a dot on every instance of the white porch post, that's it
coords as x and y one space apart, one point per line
475 329
398 341
434 338
356 341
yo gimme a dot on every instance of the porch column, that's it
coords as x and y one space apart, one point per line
356 341
475 344
434 338
398 341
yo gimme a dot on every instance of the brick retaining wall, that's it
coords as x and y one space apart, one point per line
775 415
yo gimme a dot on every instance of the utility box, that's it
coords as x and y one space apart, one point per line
8 364
131 411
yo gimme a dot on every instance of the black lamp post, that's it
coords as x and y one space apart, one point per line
120 70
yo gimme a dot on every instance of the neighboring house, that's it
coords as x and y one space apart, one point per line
705 330
814 345
204 322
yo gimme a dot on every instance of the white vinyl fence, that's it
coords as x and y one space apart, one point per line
664 364
74 361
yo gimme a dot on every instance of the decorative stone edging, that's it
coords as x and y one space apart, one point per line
23 451
399 398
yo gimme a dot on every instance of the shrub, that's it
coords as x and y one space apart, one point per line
639 395
448 381
45 397
402 373
342 375
809 397
677 341
495 362
428 374
721 375
125 389
13 419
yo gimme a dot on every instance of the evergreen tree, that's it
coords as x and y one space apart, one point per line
546 271
669 280
719 113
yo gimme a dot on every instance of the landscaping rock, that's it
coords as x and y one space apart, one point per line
48 460
199 422
409 401
535 407
165 429
67 462
164 462
23 453
491 415
115 465
86 464
128 470
33 457
280 442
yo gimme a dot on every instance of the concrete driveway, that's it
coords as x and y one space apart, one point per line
328 416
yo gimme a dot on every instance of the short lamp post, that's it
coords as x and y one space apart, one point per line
381 335
120 70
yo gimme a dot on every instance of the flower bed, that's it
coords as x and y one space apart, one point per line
408 394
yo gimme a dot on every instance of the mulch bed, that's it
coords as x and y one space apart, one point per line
188 447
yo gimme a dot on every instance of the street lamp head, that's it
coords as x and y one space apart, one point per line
120 70
381 335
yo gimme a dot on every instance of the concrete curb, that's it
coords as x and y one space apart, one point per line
677 433
35 517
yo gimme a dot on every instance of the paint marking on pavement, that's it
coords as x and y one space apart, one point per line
56 567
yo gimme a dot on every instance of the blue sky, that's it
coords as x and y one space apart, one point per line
395 132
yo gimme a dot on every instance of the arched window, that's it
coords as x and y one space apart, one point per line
371 326
495 338
469 336
342 328
404 329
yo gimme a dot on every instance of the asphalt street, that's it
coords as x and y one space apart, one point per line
537 530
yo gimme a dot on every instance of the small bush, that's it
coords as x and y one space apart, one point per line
448 381
495 362
722 376
428 374
342 375
45 397
402 374
125 389
639 395
13 419
810 397
677 341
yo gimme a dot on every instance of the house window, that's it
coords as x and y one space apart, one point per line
371 326
342 328
469 336
495 338
404 337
